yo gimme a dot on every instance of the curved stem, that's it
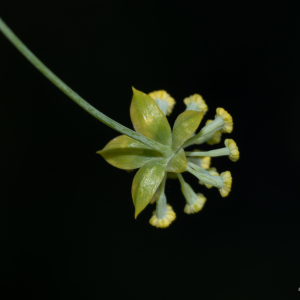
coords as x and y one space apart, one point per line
74 96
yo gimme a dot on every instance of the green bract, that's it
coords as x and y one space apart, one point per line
185 125
126 153
148 119
146 182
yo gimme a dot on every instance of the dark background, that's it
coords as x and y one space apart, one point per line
66 218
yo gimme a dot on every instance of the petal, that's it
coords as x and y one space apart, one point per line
126 153
148 119
145 183
185 125
177 163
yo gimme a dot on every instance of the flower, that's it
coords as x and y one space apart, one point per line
227 181
234 150
164 222
159 152
198 100
228 124
163 95
197 206
194 202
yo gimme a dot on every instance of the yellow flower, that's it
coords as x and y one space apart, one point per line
197 206
163 95
196 98
228 126
212 171
233 148
166 221
158 153
216 137
227 181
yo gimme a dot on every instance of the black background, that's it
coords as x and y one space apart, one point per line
66 217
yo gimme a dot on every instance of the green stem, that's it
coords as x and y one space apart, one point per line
161 203
74 96
207 131
204 175
212 153
182 182
188 193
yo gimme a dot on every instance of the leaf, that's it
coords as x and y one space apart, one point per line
177 163
145 183
126 153
148 119
185 125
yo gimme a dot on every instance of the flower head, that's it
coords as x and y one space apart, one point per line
228 124
194 202
227 181
165 221
233 148
197 206
198 101
160 154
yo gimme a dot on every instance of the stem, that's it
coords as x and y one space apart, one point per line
188 193
204 175
192 106
207 131
74 96
182 182
161 204
212 153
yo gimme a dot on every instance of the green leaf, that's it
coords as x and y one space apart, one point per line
185 125
177 163
145 183
126 153
148 119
